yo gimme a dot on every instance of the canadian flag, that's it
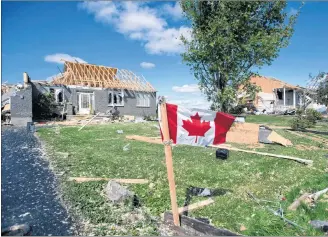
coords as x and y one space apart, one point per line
197 127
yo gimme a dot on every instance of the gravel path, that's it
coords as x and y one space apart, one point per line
29 187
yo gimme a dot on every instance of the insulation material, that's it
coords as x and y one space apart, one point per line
275 137
6 107
244 133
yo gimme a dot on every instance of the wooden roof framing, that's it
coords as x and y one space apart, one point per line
82 74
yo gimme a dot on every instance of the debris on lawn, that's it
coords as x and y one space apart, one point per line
200 192
88 121
195 206
117 193
279 212
119 131
64 154
17 230
303 161
222 153
127 181
307 198
318 139
155 140
243 133
126 147
193 227
320 225
242 228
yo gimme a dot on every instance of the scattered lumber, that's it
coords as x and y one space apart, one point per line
127 181
297 202
195 227
88 121
303 161
307 198
193 206
155 140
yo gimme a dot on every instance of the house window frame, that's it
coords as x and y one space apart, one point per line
112 93
143 102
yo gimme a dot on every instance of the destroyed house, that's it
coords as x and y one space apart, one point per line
276 95
84 89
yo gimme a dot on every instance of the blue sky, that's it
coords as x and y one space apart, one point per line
142 37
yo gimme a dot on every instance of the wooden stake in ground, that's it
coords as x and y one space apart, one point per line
169 162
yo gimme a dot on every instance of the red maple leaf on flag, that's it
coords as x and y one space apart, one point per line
195 127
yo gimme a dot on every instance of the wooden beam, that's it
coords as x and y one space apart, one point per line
303 161
126 181
197 227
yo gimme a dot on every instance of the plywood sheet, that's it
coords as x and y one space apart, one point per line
243 133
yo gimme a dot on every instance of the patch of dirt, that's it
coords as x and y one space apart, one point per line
308 148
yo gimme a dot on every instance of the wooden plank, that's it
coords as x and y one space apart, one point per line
127 181
153 140
202 228
302 161
195 205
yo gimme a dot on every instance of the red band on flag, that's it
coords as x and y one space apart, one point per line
223 123
172 118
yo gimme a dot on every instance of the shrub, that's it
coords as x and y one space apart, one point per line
313 115
305 119
239 109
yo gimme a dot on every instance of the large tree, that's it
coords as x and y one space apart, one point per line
322 91
229 39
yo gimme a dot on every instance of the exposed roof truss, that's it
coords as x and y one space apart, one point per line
82 74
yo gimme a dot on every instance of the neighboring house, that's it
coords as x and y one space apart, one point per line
89 89
276 95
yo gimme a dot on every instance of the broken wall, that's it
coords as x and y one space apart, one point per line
101 98
21 107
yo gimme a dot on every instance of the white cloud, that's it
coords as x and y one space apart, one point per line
53 76
174 11
140 22
147 65
56 58
292 11
191 88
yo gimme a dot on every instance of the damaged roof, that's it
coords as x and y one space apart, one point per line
83 74
267 84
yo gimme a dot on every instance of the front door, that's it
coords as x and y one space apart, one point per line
85 102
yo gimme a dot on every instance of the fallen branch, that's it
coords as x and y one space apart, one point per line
307 198
89 121
127 181
303 161
297 202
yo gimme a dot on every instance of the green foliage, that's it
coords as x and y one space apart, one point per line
44 106
239 109
229 39
313 115
322 91
305 119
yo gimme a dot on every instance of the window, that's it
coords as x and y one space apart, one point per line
143 99
116 97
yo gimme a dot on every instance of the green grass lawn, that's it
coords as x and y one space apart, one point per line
278 120
266 177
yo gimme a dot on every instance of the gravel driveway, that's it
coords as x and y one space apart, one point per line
29 187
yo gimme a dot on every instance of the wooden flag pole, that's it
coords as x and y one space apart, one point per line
169 162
